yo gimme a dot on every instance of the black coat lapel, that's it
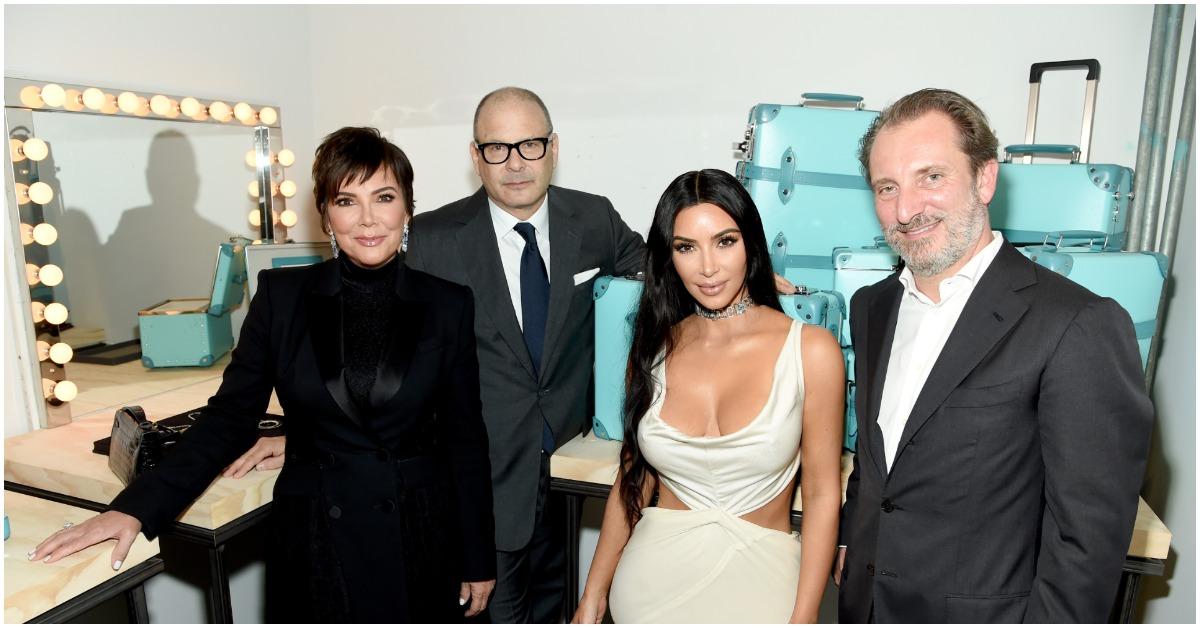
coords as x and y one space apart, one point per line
883 311
324 309
564 256
481 257
989 315
408 317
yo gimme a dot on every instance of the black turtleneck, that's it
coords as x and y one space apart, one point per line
368 302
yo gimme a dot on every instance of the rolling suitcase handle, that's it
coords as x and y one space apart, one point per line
1041 149
840 99
1089 101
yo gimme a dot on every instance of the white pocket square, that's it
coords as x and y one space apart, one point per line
585 275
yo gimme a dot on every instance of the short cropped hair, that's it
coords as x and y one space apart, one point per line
516 93
355 153
976 138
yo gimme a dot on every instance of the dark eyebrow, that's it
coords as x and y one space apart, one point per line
684 239
382 189
727 232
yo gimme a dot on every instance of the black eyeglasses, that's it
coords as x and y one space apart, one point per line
531 149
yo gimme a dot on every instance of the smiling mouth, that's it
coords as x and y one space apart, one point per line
369 241
920 231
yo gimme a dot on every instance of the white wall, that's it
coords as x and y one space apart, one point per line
638 95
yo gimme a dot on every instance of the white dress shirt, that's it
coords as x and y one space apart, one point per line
922 328
512 245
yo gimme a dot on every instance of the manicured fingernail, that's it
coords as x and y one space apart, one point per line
30 554
462 600
47 558
116 565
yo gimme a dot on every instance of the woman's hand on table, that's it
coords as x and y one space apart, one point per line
265 455
590 610
475 596
103 527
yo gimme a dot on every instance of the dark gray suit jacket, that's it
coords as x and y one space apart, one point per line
458 243
1013 493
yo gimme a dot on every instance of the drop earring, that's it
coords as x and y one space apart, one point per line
333 245
404 240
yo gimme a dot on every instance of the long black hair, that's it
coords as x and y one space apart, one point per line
665 302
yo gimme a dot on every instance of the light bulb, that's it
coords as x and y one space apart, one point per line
54 95
268 115
253 189
93 99
190 107
65 390
252 159
35 149
74 100
50 274
31 97
61 353
287 189
288 218
56 313
22 193
220 111
255 218
45 234
39 311
128 102
286 158
16 150
31 274
162 105
41 193
26 234
243 111
43 350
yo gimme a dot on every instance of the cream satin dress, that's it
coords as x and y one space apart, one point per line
706 565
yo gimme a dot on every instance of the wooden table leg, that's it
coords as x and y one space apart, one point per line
138 612
220 606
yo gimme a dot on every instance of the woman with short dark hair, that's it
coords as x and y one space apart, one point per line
383 510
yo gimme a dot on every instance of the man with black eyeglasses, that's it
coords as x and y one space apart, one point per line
529 251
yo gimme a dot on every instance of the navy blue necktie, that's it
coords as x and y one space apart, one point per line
535 305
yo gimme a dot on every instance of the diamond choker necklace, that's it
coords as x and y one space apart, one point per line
733 309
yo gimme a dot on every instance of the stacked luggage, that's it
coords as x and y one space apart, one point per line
801 168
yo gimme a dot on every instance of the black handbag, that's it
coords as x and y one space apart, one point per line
138 444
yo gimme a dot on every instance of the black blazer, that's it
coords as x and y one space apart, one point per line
457 242
341 473
1013 492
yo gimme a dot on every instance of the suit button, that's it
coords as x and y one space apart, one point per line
386 505
870 569
887 506
335 512
543 392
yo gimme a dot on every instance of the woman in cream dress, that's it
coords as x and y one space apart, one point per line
721 385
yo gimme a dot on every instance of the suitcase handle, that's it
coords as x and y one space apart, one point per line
1090 236
1044 149
1091 65
857 101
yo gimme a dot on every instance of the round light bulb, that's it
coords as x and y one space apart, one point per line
255 218
31 274
45 234
65 390
190 107
288 218
253 189
220 111
41 193
252 159
268 115
38 310
16 150
161 105
74 100
56 313
31 97
286 158
61 353
287 189
93 99
243 111
128 102
26 234
50 275
35 149
22 193
54 95
43 350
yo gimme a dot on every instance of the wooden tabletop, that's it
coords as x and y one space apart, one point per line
587 458
60 459
32 588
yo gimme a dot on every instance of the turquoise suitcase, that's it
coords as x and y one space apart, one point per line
857 268
196 331
1133 279
1033 200
801 168
616 307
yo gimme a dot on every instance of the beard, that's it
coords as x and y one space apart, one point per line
963 229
